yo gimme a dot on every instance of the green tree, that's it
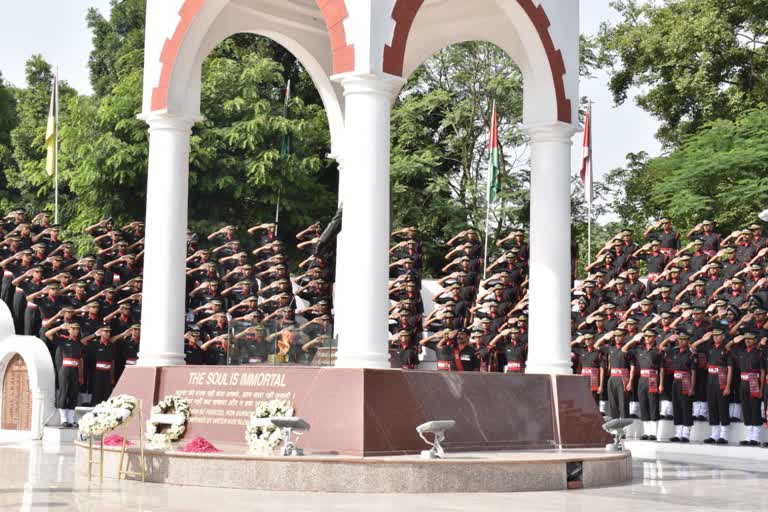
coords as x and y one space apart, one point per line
694 61
440 128
8 121
718 173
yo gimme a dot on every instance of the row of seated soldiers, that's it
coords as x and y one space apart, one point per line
242 308
687 341
478 324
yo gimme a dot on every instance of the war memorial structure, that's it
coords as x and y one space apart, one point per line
537 431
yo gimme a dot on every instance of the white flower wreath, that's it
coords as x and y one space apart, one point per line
170 404
264 439
108 415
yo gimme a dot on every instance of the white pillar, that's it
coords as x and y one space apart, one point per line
550 242
362 275
162 319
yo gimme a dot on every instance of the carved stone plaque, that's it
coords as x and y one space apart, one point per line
17 399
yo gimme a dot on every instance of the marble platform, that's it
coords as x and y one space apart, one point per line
480 472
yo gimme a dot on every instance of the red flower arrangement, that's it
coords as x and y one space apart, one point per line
115 440
200 445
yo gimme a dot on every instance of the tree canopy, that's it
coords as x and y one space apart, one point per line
694 61
440 127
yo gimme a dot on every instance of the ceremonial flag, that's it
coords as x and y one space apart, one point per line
586 156
285 146
51 133
494 174
285 150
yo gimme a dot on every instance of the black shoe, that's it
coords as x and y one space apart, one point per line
723 441
674 439
652 438
709 440
669 417
684 440
634 416
735 420
66 424
765 445
643 437
701 418
743 443
754 443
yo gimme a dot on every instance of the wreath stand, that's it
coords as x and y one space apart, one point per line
122 469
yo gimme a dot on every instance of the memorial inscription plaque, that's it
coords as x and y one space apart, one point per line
17 398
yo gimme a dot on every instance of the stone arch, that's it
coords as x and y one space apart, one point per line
40 370
205 23
422 30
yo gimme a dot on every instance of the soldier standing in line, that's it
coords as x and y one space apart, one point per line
590 363
684 367
752 367
69 370
621 368
720 377
650 361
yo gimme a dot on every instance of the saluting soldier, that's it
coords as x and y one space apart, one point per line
667 237
515 351
193 354
621 368
684 368
719 381
752 369
590 363
650 360
69 369
102 352
704 231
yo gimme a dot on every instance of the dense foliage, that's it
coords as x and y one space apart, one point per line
439 139
701 67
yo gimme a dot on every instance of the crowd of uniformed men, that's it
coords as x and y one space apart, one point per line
662 330
684 341
241 308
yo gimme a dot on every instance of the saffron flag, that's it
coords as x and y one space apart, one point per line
51 131
494 174
586 156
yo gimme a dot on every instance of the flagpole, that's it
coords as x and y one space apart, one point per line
589 196
488 198
56 136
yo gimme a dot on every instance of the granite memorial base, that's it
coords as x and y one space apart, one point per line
373 413
475 472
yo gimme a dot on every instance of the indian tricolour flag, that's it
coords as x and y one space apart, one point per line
494 174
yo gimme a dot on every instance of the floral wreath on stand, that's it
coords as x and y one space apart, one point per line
172 404
108 415
261 438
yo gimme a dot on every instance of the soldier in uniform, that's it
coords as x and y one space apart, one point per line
621 368
406 343
683 387
704 231
720 377
69 369
193 354
752 369
102 352
590 363
515 351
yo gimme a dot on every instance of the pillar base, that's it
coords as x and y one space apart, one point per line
548 367
161 359
362 360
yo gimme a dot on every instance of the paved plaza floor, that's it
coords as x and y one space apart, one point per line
35 477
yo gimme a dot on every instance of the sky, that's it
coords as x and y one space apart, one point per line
57 30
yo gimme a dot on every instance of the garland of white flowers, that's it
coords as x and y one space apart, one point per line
265 439
108 415
170 404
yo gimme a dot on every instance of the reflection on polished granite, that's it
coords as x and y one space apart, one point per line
33 477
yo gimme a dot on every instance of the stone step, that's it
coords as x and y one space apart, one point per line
700 431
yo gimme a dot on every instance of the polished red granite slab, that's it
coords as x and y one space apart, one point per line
375 412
